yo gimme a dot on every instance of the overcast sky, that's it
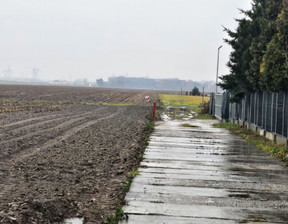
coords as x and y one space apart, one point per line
101 38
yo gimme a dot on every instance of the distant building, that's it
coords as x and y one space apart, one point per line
155 84
59 82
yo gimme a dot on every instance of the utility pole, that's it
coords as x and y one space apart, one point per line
7 73
217 68
203 96
35 74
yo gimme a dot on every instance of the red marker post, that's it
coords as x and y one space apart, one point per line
154 109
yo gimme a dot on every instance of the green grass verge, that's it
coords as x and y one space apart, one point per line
276 150
198 109
204 117
116 216
149 126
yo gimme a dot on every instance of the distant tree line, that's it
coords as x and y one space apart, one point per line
155 84
259 59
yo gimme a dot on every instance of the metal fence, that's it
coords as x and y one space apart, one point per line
266 110
221 110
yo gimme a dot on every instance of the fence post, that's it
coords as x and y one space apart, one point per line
286 110
272 112
266 110
263 110
276 112
250 109
283 112
243 102
256 108
212 104
154 109
225 106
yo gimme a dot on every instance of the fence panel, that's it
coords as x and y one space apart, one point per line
266 110
218 105
279 113
242 116
274 109
233 111
252 108
259 109
285 115
238 110
269 112
247 108
211 106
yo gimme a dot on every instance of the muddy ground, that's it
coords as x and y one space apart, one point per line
61 160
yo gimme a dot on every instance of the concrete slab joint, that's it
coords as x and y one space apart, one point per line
203 175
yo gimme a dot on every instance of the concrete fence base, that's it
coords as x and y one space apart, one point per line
281 140
261 132
269 135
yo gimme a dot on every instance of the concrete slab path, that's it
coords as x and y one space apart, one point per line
201 174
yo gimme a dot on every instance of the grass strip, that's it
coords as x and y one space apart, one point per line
276 150
204 117
182 100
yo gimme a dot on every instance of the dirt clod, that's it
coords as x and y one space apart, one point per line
61 160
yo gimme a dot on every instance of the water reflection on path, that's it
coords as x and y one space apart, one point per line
199 174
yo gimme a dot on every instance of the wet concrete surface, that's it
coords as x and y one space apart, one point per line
74 221
202 174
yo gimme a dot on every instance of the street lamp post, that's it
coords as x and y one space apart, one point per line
217 68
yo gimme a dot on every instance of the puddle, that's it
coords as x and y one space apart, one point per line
177 113
164 117
186 125
74 221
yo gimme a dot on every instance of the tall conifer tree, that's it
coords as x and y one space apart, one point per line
255 63
274 68
236 82
264 16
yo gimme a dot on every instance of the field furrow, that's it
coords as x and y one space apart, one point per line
62 154
38 135
28 120
63 136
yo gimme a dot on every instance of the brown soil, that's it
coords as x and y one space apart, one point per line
61 160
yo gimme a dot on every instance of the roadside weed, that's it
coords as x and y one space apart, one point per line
204 117
133 173
116 216
149 126
126 186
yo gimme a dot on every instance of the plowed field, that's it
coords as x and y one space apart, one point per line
65 153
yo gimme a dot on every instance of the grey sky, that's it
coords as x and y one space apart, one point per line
101 38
